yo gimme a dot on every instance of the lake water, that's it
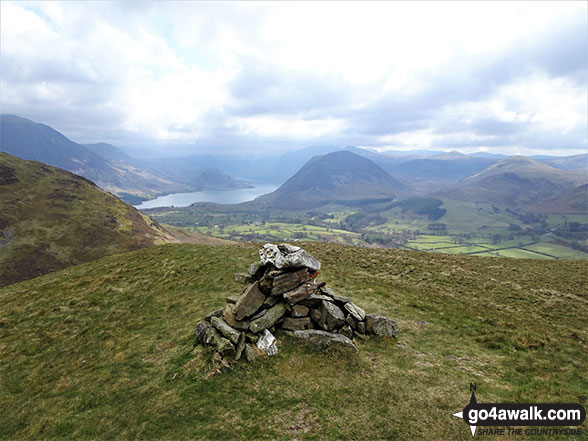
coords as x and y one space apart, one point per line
219 197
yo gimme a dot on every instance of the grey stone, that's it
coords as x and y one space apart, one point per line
233 299
240 346
361 327
205 333
299 311
351 321
225 348
324 340
315 314
288 281
336 297
270 301
346 331
256 270
331 316
273 314
229 317
249 302
287 256
302 292
243 278
215 313
259 314
379 325
315 300
266 283
294 324
355 311
267 343
250 352
231 333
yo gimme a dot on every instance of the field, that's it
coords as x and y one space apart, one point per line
463 228
105 350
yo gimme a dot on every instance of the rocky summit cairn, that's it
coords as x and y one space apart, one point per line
282 293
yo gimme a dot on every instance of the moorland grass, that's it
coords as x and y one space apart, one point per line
105 350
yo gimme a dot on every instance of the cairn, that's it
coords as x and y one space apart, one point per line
282 294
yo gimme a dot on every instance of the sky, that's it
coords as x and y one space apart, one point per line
214 77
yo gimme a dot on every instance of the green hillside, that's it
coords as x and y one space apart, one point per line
104 350
51 219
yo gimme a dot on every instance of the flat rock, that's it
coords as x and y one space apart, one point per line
249 302
355 311
379 325
221 326
331 316
298 294
324 339
315 300
233 299
288 281
270 301
269 319
229 317
336 297
287 256
294 324
299 311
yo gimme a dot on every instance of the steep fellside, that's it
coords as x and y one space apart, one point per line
29 140
335 177
574 201
514 182
51 219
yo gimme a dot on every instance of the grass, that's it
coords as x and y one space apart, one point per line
104 350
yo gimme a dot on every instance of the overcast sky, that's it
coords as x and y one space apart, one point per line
498 76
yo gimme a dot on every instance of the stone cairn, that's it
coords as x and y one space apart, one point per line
282 294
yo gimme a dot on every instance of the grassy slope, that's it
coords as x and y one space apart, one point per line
51 218
105 350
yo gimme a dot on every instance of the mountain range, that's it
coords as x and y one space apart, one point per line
104 164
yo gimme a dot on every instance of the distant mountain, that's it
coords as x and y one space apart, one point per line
334 177
569 163
51 218
33 141
107 166
109 152
514 182
574 201
190 171
451 166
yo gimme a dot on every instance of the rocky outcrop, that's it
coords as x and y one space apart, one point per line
282 293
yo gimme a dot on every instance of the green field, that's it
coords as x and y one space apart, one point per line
105 350
464 228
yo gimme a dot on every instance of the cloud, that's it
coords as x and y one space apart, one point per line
260 76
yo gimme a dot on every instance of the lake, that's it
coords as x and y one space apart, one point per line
219 197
